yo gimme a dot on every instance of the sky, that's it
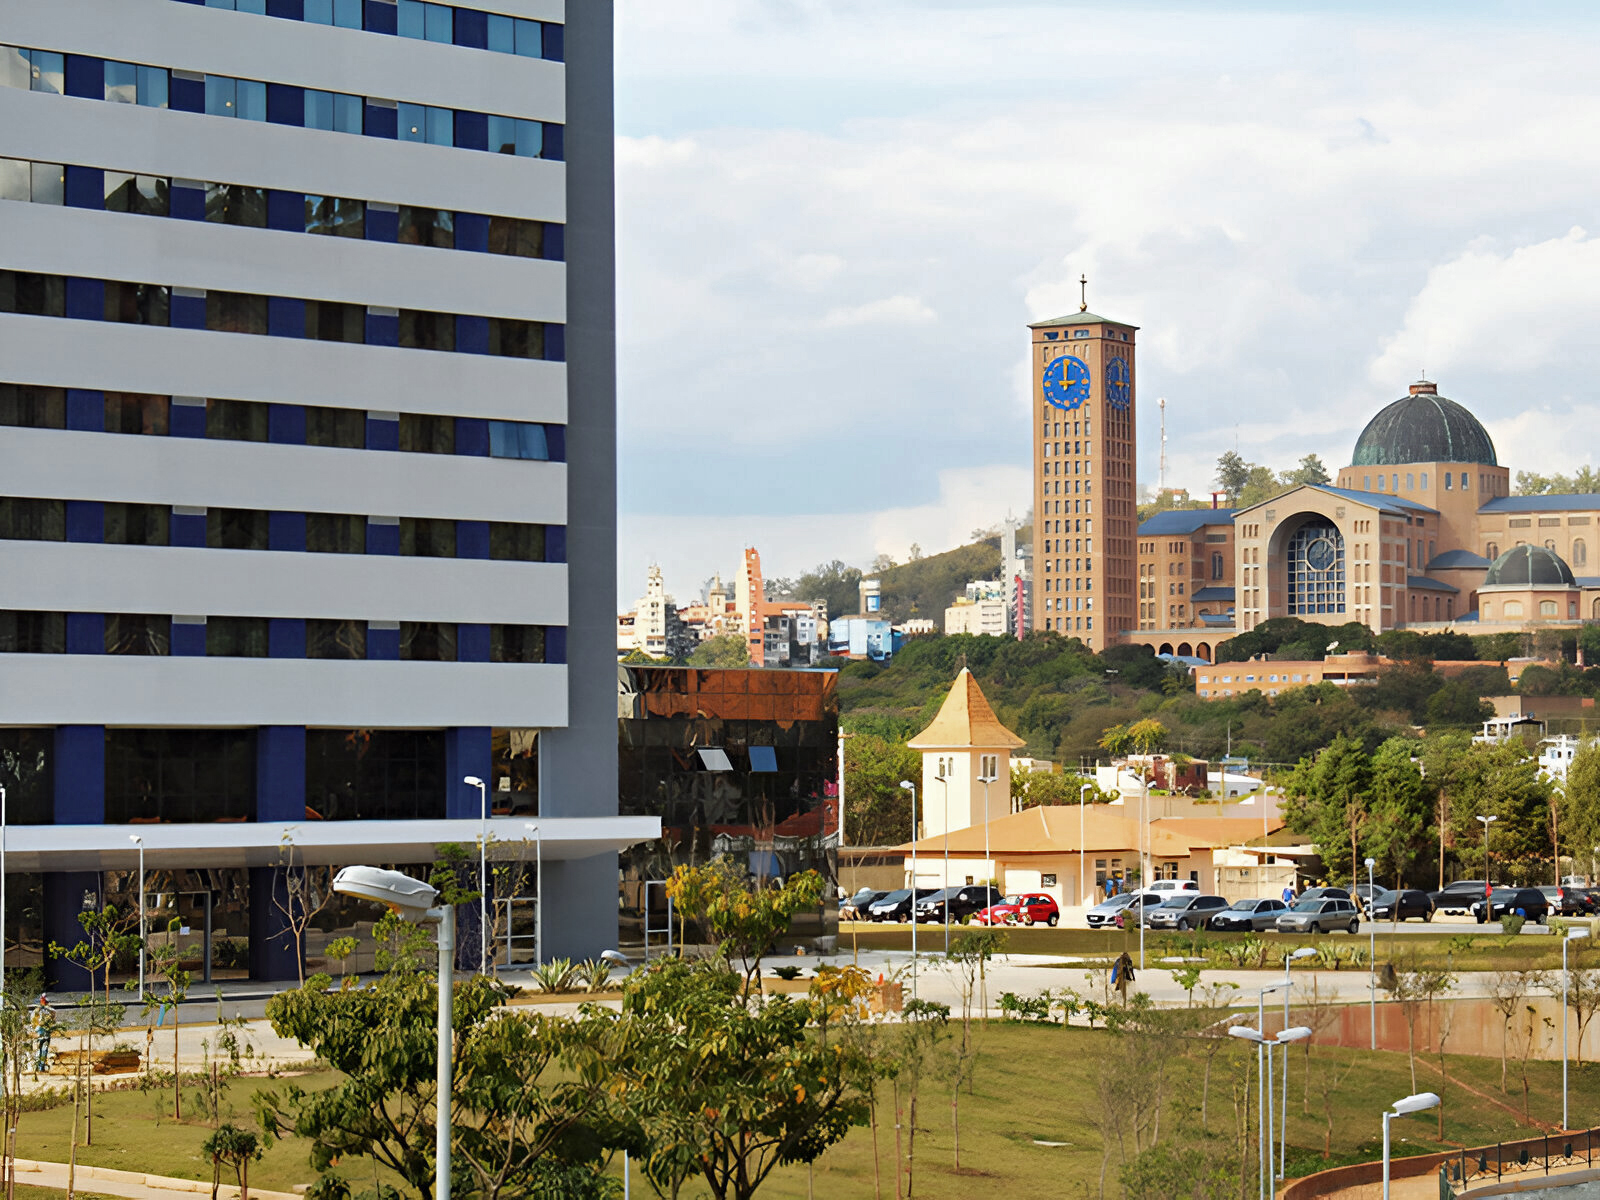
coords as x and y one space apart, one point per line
837 217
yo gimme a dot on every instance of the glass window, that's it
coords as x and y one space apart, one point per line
252 100
508 235
16 179
138 524
153 87
502 134
517 439
428 537
138 633
368 774
421 330
513 541
441 129
15 69
336 533
236 204
340 428
236 420
428 641
180 775
413 122
410 21
427 434
236 528
49 72
134 412
236 637
520 644
328 321
439 23
137 303
427 227
122 83
32 294
146 194
530 38
336 217
48 184
31 633
502 34
516 339
35 407
236 312
333 110
29 520
221 96
336 639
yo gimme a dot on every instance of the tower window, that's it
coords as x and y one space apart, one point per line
1448 480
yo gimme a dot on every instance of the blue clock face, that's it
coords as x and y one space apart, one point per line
1119 383
1066 381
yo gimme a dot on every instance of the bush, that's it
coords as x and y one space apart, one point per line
1512 924
786 972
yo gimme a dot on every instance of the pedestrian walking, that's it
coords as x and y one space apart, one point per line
44 1027
1122 975
1288 893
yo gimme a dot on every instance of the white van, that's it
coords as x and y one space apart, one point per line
1168 888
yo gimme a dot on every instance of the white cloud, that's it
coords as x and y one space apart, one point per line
893 310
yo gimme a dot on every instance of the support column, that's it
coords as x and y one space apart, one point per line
280 799
79 799
272 955
63 901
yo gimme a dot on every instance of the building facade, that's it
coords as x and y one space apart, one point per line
307 433
1186 569
1084 450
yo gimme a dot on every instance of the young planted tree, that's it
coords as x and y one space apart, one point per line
17 1046
237 1148
166 964
301 892
106 938
745 922
1508 993
1415 989
968 955
1533 1034
1583 998
91 1020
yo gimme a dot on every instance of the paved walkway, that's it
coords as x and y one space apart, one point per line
107 1182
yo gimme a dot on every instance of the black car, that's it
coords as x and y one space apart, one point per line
1522 902
855 908
1248 915
1325 893
962 902
1565 901
1459 896
896 906
1392 905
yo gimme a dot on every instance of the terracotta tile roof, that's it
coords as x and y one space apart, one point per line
1217 831
1053 829
965 720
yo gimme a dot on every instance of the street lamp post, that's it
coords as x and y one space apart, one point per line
1264 1094
1418 1103
139 842
1572 936
1487 821
483 871
1283 1124
1372 958
1082 845
538 894
2 886
944 783
988 775
912 788
416 902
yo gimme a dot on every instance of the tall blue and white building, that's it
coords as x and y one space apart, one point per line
307 453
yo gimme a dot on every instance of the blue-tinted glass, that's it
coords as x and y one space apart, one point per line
122 83
441 127
763 758
347 112
530 38
502 34
49 72
319 12
530 138
412 21
502 134
319 108
15 70
516 439
252 99
252 6
153 87
220 95
347 14
219 3
413 122
439 23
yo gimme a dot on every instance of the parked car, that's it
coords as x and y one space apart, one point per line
1325 893
1458 896
1249 914
1565 901
1364 892
1320 916
1576 881
855 908
1029 908
1392 905
896 906
1127 908
1523 902
1165 888
1591 900
961 901
1184 912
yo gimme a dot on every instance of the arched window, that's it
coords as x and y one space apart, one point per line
1547 608
1216 565
1491 551
1580 553
1424 481
1315 569
1513 608
1448 480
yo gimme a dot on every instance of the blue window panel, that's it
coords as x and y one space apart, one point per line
153 87
467 751
188 529
517 439
85 187
383 644
381 122
472 643
530 39
472 131
344 13
502 134
763 759
555 543
251 100
380 17
472 231
222 96
86 299
188 312
472 539
383 539
287 211
383 330
187 203
472 335
281 773
555 342
286 104
191 1
555 43
286 531
440 23
286 317
186 420
409 22
382 434
86 76
188 639
502 34
86 521
286 424
286 637
289 10
80 774
383 224
121 82
86 633
86 411
472 29
413 122
555 242
555 644
187 95
555 143
472 436
531 139
556 436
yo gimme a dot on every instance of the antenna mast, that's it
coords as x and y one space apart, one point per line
1161 470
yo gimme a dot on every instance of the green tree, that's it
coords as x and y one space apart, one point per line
1580 798
1232 473
1261 484
746 922
1399 832
1501 781
1321 795
166 964
724 650
1583 480
1537 680
1310 470
237 1148
1036 789
877 808
834 583
1456 705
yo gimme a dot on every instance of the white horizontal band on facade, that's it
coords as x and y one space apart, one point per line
103 355
198 254
85 577
211 473
220 42
31 848
153 141
104 689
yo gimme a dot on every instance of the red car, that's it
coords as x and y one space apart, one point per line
1031 908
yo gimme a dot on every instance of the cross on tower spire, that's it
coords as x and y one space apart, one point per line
1083 293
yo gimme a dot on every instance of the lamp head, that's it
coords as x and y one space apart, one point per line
136 839
1295 1033
1574 934
906 783
408 898
1244 1031
1371 862
1304 952
615 957
1487 821
1417 1103
472 781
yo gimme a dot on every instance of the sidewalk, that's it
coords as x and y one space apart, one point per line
107 1182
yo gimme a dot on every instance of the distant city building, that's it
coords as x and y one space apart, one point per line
986 616
865 637
1272 677
1016 569
916 627
1186 569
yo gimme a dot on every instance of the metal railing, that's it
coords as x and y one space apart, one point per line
1531 1156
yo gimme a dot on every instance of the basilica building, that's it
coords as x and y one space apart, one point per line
1420 531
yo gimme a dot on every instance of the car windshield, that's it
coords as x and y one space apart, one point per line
1503 893
896 897
936 894
1012 900
1308 906
1385 897
1179 902
1243 905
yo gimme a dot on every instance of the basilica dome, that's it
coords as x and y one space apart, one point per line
1423 427
1529 566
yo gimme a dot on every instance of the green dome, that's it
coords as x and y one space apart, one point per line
1423 427
1529 566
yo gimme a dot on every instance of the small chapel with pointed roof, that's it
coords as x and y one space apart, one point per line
966 762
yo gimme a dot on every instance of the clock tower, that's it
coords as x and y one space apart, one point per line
1084 519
